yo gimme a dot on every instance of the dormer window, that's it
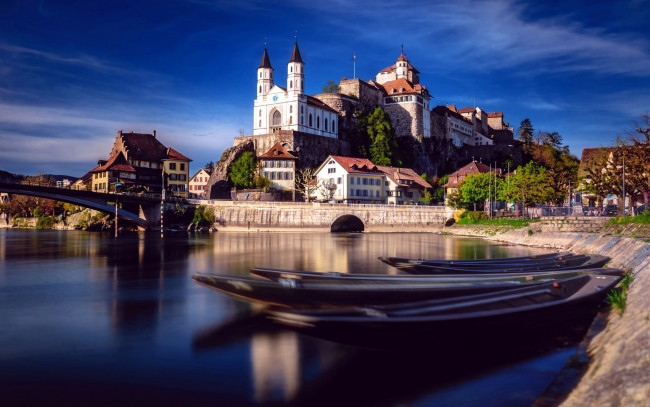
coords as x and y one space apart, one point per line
393 90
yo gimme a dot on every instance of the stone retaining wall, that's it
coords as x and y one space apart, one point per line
573 223
618 372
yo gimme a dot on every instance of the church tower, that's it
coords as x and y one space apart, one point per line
264 75
295 73
401 66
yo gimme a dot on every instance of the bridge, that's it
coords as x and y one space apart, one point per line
94 200
257 215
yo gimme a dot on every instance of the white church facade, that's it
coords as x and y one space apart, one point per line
277 108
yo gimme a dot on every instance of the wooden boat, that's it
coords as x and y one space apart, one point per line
277 274
572 263
496 260
562 260
291 292
470 320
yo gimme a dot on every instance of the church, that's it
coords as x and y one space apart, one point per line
279 108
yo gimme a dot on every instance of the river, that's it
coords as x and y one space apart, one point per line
91 320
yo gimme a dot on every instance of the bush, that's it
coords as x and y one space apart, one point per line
45 222
203 215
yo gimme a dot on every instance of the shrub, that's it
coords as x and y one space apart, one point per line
45 222
203 215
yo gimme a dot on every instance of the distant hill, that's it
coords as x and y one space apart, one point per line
61 177
9 177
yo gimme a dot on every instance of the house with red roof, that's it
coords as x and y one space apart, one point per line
457 177
279 166
403 185
349 180
140 162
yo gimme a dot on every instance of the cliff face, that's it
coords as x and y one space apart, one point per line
218 187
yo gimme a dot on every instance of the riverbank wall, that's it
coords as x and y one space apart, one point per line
617 356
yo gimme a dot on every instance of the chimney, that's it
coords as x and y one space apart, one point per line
154 134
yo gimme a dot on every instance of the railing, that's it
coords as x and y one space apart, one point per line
227 202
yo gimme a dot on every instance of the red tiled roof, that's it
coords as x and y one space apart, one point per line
398 175
467 110
354 165
278 152
495 114
452 108
175 155
144 147
393 67
399 84
474 167
115 163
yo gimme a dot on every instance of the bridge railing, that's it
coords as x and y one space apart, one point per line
279 204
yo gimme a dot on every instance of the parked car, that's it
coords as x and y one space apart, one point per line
611 210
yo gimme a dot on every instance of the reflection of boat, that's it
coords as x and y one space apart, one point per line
277 274
312 293
472 319
495 260
240 327
431 266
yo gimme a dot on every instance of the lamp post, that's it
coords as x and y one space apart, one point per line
162 200
117 184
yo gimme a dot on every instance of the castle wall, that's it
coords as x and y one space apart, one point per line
406 119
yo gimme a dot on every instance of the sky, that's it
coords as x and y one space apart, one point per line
73 73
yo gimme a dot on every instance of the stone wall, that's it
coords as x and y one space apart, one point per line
573 223
406 119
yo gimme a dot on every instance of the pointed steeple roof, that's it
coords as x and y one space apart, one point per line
266 62
295 55
402 57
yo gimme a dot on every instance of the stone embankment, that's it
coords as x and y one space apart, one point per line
618 356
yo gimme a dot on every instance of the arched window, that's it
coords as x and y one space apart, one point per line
260 74
333 126
302 119
310 120
260 113
290 84
325 124
260 124
260 88
291 69
302 84
318 122
276 118
302 110
290 109
290 119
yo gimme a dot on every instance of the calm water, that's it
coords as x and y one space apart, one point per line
90 320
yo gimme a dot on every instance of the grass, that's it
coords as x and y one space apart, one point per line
617 298
518 223
642 219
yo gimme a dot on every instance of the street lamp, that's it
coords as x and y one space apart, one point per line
117 184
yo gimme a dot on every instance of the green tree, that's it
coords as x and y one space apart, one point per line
426 197
242 170
529 184
561 167
382 138
209 167
439 189
526 132
330 87
476 189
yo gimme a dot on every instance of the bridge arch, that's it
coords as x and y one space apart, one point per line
347 223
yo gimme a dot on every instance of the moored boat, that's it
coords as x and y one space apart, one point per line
475 319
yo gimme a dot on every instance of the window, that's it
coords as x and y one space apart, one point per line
325 124
318 122
290 119
172 177
260 88
352 192
260 125
351 180
309 119
290 84
260 113
333 126
181 177
182 166
338 180
302 109
273 175
277 118
365 181
331 170
365 192
290 109
377 194
172 166
276 163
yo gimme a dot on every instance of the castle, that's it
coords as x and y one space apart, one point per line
312 127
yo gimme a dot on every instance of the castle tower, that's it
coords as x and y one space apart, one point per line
295 73
401 66
264 75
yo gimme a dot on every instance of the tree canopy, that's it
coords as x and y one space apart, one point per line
381 141
330 87
475 190
242 170
530 184
526 132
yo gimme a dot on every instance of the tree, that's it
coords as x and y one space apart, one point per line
530 184
330 87
209 167
439 189
553 139
476 189
526 132
306 184
426 197
382 137
242 170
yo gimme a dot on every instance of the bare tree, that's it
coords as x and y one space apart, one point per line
306 182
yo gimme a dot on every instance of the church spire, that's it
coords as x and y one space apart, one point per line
266 62
295 55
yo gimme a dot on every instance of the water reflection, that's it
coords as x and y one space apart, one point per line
85 315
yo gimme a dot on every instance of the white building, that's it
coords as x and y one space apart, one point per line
279 166
277 108
198 181
350 180
403 185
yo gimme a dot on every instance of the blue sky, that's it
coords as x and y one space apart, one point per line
73 73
